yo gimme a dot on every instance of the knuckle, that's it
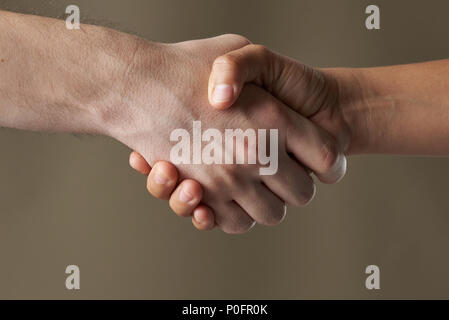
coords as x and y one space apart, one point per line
261 50
229 60
266 57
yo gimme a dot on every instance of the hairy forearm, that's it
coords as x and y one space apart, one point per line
398 110
55 79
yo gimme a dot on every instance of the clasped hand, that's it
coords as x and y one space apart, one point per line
201 81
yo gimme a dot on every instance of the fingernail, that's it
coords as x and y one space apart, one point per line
160 178
338 170
222 93
185 196
198 217
340 167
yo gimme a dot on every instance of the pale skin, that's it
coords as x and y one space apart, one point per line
386 110
99 81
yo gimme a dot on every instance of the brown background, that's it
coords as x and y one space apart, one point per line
74 200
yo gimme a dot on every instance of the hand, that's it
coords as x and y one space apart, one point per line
313 93
122 86
329 172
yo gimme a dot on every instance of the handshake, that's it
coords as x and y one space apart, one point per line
228 131
221 183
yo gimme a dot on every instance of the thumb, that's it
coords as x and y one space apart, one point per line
230 72
288 80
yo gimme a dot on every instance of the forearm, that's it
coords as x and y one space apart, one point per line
55 79
398 110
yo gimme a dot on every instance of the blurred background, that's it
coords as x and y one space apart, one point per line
68 199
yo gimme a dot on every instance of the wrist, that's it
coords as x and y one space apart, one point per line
352 87
134 80
114 69
107 79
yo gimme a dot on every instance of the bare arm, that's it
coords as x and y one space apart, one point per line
56 79
97 80
400 109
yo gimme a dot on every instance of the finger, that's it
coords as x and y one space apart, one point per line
203 217
289 80
231 218
231 71
291 183
138 163
162 180
315 148
186 197
262 205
